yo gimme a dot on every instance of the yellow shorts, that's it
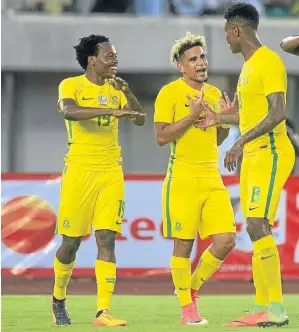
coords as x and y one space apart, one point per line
89 199
263 176
192 205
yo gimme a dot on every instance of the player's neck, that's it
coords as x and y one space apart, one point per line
249 47
193 84
95 78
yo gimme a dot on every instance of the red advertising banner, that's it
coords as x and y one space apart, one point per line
28 244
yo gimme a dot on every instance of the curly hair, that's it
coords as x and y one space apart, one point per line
244 13
88 46
182 45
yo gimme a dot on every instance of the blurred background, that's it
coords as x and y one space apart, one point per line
37 53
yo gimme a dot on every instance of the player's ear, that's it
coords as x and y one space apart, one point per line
236 31
91 60
180 67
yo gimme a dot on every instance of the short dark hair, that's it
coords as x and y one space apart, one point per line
88 46
245 12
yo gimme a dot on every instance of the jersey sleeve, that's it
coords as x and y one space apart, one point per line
123 100
66 90
274 76
164 106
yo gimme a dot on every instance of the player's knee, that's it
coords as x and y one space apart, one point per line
106 244
182 248
224 243
71 245
105 238
257 228
229 242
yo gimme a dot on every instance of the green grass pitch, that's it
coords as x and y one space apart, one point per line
144 313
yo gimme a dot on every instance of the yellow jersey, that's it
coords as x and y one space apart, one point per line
194 154
93 144
264 73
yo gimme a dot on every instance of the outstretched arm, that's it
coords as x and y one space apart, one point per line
290 45
71 111
228 116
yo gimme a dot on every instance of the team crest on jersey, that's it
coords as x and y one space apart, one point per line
178 226
115 100
103 100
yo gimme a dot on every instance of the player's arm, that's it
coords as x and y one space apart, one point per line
68 107
229 114
290 45
222 134
232 118
166 130
277 113
71 111
134 105
169 132
129 101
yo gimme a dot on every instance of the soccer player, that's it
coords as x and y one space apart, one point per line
268 156
92 189
194 196
290 45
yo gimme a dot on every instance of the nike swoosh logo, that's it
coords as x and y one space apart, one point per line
84 98
265 257
250 209
180 288
187 105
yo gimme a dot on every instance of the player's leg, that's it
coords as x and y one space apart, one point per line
259 230
266 178
181 212
261 290
217 222
78 193
107 222
64 263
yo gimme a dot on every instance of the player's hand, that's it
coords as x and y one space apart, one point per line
226 105
127 114
232 155
210 119
196 105
119 84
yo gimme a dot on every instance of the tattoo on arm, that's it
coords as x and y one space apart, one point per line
232 118
133 103
274 117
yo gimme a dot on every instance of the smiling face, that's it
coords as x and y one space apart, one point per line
194 64
106 62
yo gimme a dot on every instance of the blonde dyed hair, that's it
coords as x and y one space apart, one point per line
188 40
